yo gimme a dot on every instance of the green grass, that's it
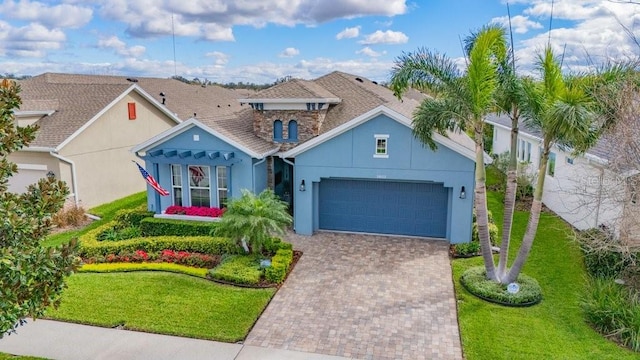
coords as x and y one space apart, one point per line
553 329
106 212
163 303
4 356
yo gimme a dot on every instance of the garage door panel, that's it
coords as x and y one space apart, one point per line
387 207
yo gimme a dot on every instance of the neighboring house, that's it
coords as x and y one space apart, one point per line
87 124
583 190
339 149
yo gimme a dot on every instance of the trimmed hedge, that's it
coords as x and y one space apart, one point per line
476 282
238 269
171 227
126 267
90 246
275 244
280 264
131 217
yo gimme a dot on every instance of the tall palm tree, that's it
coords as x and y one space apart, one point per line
460 101
565 114
569 111
507 101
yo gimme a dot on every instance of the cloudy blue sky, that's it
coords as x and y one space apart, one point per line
262 40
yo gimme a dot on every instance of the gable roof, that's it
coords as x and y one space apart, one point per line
600 152
182 99
68 109
225 135
457 142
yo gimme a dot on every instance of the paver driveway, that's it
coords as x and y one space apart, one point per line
365 297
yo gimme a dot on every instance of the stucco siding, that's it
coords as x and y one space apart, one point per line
101 152
580 191
240 166
351 155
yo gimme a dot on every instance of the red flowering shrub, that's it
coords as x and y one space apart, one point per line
194 211
170 256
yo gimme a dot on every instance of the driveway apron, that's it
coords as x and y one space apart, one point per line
365 297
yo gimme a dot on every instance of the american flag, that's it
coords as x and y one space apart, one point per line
154 184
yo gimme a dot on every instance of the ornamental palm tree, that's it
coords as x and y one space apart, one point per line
508 97
459 101
563 111
254 219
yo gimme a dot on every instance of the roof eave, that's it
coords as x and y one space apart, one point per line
291 100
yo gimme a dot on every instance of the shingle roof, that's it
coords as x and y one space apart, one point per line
603 148
182 99
239 127
294 89
76 99
75 105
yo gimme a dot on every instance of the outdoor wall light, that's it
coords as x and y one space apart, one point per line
463 193
51 175
302 186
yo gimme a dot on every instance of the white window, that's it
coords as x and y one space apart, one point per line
524 151
221 174
381 146
176 184
199 185
551 164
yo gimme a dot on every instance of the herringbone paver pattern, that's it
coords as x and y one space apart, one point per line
365 297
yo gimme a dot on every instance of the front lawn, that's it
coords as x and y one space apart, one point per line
176 301
163 303
553 329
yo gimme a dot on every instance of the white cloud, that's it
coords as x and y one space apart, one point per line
146 18
385 37
32 40
119 46
289 52
51 16
221 59
349 33
370 52
520 24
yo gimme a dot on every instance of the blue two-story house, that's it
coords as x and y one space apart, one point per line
339 149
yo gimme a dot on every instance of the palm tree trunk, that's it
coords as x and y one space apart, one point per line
534 218
509 199
482 218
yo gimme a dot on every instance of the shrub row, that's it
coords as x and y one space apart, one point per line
131 217
126 267
238 269
280 264
275 244
90 246
165 256
170 227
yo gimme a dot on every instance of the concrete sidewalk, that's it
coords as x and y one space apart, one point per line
66 341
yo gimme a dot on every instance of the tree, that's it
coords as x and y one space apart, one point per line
32 277
254 219
566 114
460 101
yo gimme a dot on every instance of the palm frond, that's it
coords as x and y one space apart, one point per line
424 70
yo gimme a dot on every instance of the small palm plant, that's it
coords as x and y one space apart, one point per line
254 219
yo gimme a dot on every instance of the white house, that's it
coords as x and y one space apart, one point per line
583 190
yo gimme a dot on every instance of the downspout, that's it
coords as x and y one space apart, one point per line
74 177
253 177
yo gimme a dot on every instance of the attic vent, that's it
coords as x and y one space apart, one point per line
133 80
359 80
375 82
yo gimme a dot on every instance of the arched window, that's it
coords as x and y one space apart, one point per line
277 130
293 130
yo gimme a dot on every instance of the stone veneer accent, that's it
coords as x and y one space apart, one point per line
309 123
270 179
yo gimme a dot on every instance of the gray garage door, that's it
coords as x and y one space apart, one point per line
385 207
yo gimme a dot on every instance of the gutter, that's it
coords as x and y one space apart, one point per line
74 177
253 178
